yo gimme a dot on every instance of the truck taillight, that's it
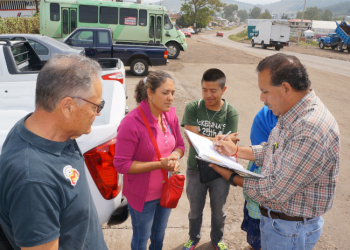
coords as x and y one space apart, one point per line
115 77
99 161
166 54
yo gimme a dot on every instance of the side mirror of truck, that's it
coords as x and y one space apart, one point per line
69 41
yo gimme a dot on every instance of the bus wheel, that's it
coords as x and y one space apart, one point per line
139 67
173 50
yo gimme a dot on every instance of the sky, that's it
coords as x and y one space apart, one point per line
244 1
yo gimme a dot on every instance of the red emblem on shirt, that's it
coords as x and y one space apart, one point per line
72 174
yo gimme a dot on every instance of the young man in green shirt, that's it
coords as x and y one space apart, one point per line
208 117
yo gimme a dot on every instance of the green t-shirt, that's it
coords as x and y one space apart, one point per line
224 121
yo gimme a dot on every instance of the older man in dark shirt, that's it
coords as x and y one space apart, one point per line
45 201
300 160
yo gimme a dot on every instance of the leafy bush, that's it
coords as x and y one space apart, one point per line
11 25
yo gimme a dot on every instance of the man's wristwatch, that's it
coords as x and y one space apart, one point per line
230 180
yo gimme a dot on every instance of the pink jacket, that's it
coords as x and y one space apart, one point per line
134 144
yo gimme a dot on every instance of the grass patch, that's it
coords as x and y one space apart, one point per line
241 36
307 44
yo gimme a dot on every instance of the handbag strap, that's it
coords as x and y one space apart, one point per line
153 139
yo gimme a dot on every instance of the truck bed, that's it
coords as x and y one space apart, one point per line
343 31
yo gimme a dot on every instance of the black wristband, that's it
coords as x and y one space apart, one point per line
230 180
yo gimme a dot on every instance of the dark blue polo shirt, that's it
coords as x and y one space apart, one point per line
44 193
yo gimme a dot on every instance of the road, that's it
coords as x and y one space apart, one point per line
325 64
239 61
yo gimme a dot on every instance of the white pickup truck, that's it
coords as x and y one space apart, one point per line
19 68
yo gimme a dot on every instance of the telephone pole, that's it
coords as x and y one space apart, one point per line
302 18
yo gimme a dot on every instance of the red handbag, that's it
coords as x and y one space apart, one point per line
173 186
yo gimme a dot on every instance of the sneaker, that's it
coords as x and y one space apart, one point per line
190 245
220 246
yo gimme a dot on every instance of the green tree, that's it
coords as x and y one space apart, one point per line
265 15
312 13
255 12
327 15
229 10
209 6
284 16
203 16
243 15
299 14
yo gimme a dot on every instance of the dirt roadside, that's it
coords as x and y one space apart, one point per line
243 94
313 51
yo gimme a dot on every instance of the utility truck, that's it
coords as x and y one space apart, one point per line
271 34
339 40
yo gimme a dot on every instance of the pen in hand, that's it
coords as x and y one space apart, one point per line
223 137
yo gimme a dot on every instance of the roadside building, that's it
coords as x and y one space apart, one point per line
174 17
323 28
18 8
298 27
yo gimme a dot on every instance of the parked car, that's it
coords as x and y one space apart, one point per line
19 68
44 46
98 43
192 31
220 33
186 32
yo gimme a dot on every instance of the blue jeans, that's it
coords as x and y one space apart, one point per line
196 194
151 223
279 234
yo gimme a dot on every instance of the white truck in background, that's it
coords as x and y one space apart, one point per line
272 34
19 68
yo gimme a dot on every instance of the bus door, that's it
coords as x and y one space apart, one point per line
155 28
69 21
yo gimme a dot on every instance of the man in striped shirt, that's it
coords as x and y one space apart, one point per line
300 159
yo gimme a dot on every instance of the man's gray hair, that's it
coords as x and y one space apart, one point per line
62 76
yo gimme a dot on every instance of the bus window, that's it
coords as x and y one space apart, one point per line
128 16
73 20
103 37
143 17
65 21
158 27
109 15
88 14
54 12
151 29
167 23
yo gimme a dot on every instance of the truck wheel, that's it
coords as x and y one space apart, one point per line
173 50
139 67
277 47
263 46
253 44
321 45
340 47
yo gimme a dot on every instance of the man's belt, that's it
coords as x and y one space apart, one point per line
282 216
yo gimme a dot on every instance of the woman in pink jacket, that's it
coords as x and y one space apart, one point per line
135 157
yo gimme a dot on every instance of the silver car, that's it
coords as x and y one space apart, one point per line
45 46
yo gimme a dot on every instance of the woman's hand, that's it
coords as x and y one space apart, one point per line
170 163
